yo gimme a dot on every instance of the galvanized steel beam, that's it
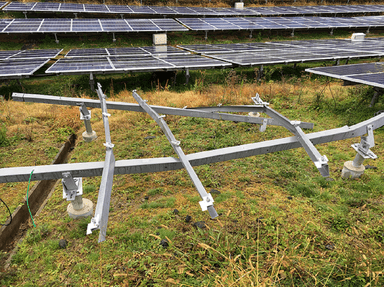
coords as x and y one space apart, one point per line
201 112
134 166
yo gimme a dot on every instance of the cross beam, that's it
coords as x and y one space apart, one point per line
195 112
134 166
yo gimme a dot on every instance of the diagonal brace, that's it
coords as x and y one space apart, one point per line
320 161
207 200
100 219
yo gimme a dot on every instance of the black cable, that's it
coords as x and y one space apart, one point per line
10 214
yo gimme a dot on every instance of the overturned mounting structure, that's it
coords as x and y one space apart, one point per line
110 167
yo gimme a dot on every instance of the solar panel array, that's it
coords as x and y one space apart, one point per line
20 67
195 11
23 63
131 63
66 25
369 73
249 54
279 23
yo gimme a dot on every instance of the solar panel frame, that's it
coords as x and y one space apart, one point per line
192 61
37 54
80 65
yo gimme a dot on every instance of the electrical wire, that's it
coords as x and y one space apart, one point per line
29 181
10 214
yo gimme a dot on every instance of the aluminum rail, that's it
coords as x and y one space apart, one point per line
207 200
134 166
100 220
195 112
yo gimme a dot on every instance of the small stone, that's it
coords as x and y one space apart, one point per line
142 200
200 224
330 246
290 197
329 179
164 243
175 211
215 191
370 167
63 243
157 233
188 218
149 137
146 197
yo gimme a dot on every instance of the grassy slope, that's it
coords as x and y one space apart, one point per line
280 223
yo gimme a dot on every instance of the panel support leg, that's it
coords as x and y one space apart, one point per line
187 76
250 34
293 33
25 15
367 32
56 40
376 94
89 135
260 72
331 32
355 168
206 36
113 37
92 82
73 191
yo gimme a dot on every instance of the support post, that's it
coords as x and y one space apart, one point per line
355 168
113 37
89 135
250 34
293 33
207 199
260 74
206 36
92 82
376 94
73 191
187 76
56 40
331 32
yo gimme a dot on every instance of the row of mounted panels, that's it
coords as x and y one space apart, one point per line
371 74
68 25
190 11
140 59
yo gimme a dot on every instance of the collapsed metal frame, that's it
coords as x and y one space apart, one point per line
109 167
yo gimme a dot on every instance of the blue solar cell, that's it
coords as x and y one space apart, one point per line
130 51
139 63
141 9
55 25
80 65
192 61
120 9
5 23
168 25
18 6
36 54
96 8
155 50
6 54
23 26
20 68
115 25
95 52
46 6
86 25
69 7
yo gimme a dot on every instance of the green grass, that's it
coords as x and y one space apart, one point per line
280 223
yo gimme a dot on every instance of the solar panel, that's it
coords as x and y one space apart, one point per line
6 54
115 25
86 25
248 59
191 61
103 52
139 64
203 11
23 26
56 25
36 54
369 73
2 4
20 68
80 65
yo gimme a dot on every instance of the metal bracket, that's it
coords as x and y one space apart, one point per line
258 101
363 148
72 187
263 127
